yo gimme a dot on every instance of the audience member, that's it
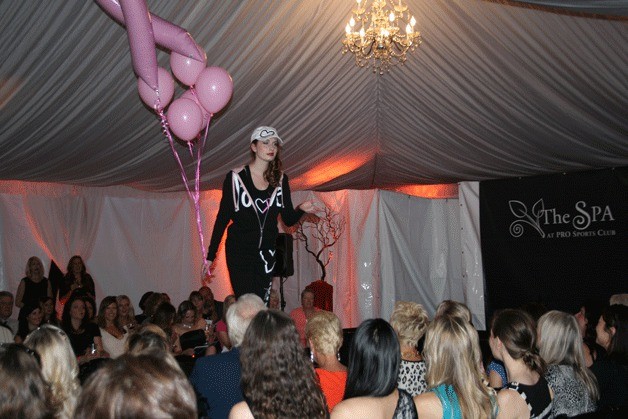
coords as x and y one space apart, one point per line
217 378
371 390
192 329
453 308
84 335
22 385
513 341
277 380
90 308
76 280
126 313
324 335
112 333
150 306
147 337
137 386
454 375
301 315
59 368
211 307
611 367
139 318
47 305
409 320
587 318
163 317
34 285
560 346
6 311
29 320
221 326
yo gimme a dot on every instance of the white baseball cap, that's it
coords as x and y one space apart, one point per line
264 133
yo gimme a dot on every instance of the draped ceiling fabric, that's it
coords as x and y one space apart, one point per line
495 90
499 88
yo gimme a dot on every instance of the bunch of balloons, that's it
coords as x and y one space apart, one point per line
210 87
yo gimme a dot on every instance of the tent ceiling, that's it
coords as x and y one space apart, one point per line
494 91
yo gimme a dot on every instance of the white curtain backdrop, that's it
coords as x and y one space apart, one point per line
394 247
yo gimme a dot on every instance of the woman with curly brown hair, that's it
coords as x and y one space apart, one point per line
253 196
278 381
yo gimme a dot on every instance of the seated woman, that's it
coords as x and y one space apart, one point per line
371 390
324 335
112 391
277 380
34 285
47 305
29 319
76 280
126 313
163 317
84 336
23 389
112 333
454 375
59 368
611 368
222 333
560 346
513 341
191 328
453 308
410 321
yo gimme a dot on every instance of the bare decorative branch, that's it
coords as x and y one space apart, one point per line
319 234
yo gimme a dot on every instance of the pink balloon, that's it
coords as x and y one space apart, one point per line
214 88
186 69
168 35
189 95
164 92
141 40
184 117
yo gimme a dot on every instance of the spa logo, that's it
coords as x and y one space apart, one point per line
538 218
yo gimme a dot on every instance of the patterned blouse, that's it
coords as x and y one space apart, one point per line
571 396
412 377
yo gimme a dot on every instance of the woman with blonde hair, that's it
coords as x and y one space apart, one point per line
560 346
34 285
410 321
126 313
324 333
453 308
454 374
59 368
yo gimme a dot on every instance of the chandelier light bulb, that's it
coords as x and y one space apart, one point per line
408 29
352 22
391 17
412 21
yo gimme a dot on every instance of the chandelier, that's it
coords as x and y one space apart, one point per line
374 35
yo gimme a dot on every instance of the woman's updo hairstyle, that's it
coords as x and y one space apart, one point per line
517 331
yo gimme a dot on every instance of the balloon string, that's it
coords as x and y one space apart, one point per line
195 196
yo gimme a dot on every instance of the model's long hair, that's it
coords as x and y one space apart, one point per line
58 366
517 331
560 343
274 170
452 354
374 359
278 381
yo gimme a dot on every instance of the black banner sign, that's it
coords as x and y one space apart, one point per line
558 240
